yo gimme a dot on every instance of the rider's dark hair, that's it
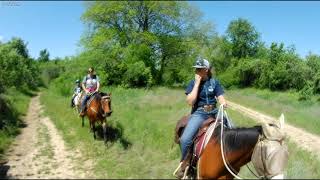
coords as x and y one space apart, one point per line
92 69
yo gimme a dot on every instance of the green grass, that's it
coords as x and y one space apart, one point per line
15 104
145 148
304 114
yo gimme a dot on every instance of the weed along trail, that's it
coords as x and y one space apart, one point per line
301 137
39 151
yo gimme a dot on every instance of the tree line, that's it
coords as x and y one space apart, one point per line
139 44
147 43
20 74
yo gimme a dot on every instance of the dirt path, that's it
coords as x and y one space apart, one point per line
39 151
301 137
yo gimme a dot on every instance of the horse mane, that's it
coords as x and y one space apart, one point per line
237 138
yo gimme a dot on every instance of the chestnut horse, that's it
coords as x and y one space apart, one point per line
226 150
238 145
98 108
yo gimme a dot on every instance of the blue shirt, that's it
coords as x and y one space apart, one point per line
208 90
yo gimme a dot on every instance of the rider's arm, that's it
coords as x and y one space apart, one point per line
222 100
84 88
219 94
192 97
98 86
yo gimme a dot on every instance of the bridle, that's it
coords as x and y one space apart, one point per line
108 98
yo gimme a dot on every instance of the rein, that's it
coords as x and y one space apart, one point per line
208 136
220 112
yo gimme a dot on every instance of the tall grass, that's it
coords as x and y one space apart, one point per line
304 114
144 121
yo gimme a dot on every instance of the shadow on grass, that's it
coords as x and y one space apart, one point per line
114 133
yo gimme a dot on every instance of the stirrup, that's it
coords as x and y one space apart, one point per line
175 171
185 173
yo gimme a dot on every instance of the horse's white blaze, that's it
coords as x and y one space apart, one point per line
279 176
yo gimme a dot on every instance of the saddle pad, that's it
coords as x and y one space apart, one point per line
198 144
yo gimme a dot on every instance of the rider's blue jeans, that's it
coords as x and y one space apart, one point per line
195 121
83 104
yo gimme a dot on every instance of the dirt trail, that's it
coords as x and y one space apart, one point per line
40 152
301 137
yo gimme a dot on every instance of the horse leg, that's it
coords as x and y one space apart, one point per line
94 130
82 121
91 127
104 126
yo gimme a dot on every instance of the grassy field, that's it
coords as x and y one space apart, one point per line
304 114
144 122
16 107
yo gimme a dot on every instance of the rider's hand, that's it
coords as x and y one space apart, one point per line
197 78
225 105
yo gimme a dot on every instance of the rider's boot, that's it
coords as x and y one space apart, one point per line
182 169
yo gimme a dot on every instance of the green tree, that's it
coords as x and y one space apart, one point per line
244 38
20 46
44 56
153 32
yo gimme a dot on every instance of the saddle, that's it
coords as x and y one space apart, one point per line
182 123
195 149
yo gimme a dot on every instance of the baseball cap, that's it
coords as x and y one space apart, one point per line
202 63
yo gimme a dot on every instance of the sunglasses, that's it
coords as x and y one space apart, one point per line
198 69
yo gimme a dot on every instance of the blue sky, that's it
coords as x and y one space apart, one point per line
57 25
291 22
52 25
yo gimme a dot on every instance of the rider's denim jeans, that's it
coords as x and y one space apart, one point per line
195 121
83 104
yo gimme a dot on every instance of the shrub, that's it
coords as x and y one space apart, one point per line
306 92
137 75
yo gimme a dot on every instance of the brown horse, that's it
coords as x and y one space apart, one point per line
238 146
98 108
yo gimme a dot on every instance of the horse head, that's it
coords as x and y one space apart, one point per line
106 104
270 156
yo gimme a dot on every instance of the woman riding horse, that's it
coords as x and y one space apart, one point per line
90 84
201 95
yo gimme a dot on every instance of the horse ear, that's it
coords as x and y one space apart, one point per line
281 120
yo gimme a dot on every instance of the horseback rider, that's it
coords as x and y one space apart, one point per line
202 94
76 91
90 85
